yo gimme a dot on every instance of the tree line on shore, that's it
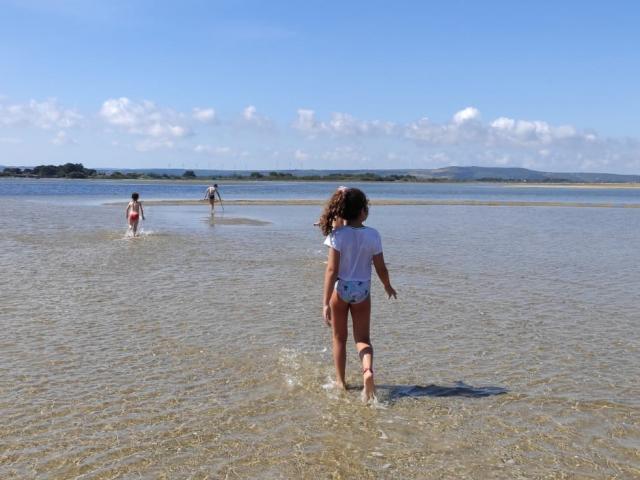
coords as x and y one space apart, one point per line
68 170
77 170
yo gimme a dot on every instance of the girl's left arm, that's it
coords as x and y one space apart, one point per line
330 277
383 274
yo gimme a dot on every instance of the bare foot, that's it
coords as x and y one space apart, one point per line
369 389
340 385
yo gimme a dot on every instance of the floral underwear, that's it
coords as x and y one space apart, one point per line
353 291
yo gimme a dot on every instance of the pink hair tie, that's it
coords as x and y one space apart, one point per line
342 188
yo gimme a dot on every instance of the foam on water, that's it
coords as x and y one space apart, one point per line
141 233
289 360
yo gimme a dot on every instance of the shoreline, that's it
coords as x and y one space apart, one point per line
207 181
390 202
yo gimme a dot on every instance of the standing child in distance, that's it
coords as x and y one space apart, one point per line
347 281
133 213
211 193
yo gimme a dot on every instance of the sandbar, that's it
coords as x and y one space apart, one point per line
574 185
394 202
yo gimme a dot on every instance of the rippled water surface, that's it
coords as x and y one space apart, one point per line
197 350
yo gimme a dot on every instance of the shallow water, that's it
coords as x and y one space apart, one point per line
99 191
197 350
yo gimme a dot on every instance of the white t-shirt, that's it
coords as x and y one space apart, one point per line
357 246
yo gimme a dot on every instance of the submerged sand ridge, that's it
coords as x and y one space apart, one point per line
222 220
392 202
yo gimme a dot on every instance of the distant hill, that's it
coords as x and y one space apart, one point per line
455 174
520 175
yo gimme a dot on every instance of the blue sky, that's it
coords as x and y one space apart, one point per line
361 84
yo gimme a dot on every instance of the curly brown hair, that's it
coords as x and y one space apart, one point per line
345 203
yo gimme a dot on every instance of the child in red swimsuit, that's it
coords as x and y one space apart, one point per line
133 213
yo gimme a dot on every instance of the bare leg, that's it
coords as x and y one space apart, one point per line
339 317
135 228
361 316
212 202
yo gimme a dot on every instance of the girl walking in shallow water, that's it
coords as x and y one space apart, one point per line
353 247
133 212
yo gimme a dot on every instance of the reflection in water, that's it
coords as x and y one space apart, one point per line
220 219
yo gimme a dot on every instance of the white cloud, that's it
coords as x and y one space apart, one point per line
504 123
346 157
150 144
543 152
340 124
306 121
339 141
524 143
46 115
466 129
465 139
300 155
145 119
534 133
63 138
249 114
424 130
460 131
204 115
212 150
502 160
123 112
466 115
345 124
251 117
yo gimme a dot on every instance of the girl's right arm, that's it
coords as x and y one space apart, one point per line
383 274
330 277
